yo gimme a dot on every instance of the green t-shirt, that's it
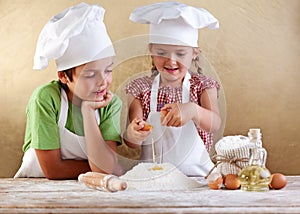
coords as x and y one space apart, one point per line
43 112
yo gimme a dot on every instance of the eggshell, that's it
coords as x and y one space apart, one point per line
232 182
215 180
147 127
278 181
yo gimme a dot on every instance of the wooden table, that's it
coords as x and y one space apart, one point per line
69 196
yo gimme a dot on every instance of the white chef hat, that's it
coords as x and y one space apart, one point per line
174 23
73 37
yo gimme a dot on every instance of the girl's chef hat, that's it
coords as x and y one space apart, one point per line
73 37
174 23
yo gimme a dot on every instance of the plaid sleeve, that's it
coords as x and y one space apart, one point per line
199 83
138 87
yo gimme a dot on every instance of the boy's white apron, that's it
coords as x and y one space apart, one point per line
72 145
181 146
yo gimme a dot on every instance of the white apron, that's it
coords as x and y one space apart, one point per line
181 146
72 145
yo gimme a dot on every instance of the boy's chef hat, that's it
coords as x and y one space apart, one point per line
73 37
174 23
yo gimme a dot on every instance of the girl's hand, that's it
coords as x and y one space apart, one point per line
177 114
98 104
137 132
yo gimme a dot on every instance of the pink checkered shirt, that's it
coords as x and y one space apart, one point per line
141 89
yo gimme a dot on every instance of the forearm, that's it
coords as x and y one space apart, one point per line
101 157
132 137
131 141
54 167
68 169
206 119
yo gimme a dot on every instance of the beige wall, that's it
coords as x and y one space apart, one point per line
255 54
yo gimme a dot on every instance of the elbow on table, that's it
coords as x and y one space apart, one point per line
53 176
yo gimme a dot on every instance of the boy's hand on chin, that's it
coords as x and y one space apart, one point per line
106 99
98 103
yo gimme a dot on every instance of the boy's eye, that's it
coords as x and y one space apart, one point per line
88 74
108 70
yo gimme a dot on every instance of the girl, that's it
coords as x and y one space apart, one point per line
73 123
182 107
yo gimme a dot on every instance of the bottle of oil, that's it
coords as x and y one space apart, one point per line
255 176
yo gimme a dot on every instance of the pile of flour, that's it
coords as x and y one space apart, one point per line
143 177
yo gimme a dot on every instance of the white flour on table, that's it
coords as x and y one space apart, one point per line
142 177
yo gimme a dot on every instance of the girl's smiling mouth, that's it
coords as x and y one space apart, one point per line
170 69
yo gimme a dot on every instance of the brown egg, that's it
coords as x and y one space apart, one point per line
232 182
215 180
278 181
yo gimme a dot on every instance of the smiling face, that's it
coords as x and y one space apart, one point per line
90 81
172 62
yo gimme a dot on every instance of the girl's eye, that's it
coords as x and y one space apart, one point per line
180 54
108 70
161 53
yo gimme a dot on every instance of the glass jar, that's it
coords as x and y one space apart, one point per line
255 176
255 136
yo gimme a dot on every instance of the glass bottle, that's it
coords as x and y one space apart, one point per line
255 136
255 176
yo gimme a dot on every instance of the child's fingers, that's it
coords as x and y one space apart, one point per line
146 127
106 100
140 125
108 97
137 121
166 116
170 120
175 123
109 94
167 107
163 113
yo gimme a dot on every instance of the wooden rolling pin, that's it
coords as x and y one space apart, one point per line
103 182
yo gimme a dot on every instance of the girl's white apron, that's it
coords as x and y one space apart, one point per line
181 146
72 145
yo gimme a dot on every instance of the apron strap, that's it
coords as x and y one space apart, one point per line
64 105
186 88
154 91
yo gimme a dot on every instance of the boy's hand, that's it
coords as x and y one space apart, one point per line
98 104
